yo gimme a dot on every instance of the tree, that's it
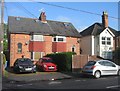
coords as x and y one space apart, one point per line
5 42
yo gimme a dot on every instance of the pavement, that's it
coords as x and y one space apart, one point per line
39 76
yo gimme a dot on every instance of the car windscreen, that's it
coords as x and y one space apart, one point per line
25 62
47 60
90 63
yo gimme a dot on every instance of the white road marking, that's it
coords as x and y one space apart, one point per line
101 78
29 84
113 86
77 80
19 85
54 82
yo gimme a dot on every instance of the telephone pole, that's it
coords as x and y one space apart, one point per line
1 33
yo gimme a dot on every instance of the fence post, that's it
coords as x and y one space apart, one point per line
72 63
88 57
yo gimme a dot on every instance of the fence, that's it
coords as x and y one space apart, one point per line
78 61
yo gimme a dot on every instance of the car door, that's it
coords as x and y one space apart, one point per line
111 68
102 68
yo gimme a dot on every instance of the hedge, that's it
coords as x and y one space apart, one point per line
63 60
116 56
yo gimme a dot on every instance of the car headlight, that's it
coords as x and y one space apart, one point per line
44 66
34 66
20 67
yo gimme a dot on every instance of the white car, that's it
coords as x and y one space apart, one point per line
101 67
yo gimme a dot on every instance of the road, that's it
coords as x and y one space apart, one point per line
106 82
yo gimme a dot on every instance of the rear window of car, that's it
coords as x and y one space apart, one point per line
90 63
24 61
47 60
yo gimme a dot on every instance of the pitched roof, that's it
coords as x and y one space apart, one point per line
30 25
118 33
96 29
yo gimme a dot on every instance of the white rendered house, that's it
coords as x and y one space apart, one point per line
99 39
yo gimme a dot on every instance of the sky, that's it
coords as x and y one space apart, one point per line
79 19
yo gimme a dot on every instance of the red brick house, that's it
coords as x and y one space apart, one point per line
117 42
35 38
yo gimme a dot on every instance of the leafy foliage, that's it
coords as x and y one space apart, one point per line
63 60
5 42
117 56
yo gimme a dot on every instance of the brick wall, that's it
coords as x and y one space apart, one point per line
14 40
47 46
70 42
37 46
78 61
59 46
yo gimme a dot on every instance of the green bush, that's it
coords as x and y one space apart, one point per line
4 58
63 60
117 56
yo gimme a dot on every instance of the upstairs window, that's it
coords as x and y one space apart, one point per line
54 39
37 37
59 39
19 47
106 40
103 40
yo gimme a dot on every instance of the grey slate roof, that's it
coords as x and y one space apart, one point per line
118 33
30 25
96 29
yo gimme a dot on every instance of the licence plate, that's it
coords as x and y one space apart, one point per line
51 67
28 69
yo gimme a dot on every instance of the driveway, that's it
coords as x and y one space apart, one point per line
39 76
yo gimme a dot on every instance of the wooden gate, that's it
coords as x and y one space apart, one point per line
78 61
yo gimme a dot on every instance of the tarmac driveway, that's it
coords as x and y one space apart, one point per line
39 76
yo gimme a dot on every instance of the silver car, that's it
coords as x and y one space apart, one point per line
101 67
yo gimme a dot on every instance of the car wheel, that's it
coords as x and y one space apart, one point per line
34 71
118 73
16 71
97 74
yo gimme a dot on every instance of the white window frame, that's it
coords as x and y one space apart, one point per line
34 38
57 37
41 55
106 40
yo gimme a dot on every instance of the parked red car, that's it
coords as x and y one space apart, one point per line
46 64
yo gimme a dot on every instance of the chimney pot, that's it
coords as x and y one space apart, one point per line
42 17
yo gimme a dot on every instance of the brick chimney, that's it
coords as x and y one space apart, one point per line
105 19
42 17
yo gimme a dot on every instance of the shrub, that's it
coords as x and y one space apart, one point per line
63 60
116 56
